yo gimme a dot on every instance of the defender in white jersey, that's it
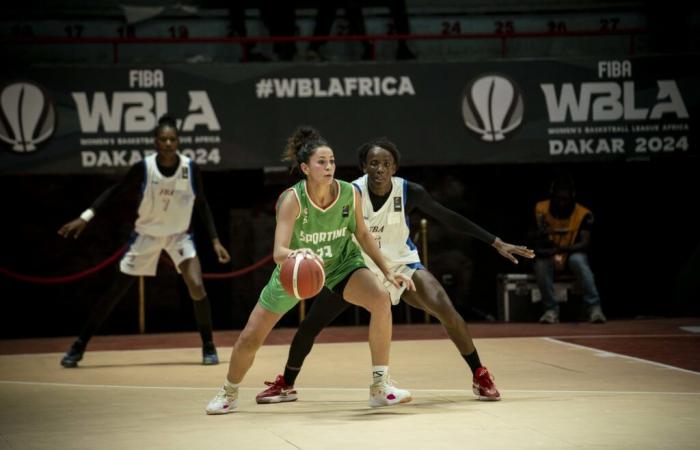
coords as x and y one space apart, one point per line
386 203
170 189
389 225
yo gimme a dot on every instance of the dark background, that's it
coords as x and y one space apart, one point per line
646 247
644 255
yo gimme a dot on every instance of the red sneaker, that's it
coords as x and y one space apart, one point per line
278 392
483 386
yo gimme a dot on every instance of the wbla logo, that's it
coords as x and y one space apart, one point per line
27 116
492 107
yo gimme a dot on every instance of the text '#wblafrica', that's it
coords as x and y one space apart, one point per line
332 87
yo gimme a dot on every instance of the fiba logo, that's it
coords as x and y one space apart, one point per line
492 107
27 116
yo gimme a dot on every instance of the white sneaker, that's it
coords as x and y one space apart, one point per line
384 393
596 315
550 316
223 403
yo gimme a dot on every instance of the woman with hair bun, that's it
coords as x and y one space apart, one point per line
320 205
387 200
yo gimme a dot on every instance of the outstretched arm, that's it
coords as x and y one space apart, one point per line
419 198
133 178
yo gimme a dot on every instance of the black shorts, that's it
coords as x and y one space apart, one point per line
340 287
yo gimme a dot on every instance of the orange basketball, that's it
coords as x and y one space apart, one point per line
302 276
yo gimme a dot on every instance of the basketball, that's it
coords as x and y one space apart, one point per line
302 276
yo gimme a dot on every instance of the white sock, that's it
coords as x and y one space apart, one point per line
379 373
231 387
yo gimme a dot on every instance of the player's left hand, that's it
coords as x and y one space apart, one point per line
221 252
508 250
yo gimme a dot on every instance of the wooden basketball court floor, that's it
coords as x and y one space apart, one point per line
558 392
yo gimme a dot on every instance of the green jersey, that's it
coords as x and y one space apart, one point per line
328 232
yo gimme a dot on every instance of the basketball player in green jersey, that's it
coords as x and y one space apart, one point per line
320 213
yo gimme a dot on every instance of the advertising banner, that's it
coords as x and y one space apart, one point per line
90 119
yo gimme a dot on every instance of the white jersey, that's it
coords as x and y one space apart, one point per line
167 202
389 225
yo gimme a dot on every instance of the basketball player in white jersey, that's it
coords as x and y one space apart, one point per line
386 202
171 188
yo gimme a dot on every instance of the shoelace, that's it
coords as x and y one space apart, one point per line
223 393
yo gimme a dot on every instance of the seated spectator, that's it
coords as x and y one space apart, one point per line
564 231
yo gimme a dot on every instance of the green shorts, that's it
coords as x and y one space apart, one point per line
275 299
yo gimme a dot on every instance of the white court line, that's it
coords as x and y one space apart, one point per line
620 355
624 336
227 349
459 391
691 329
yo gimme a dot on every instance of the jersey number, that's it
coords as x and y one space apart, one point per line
325 252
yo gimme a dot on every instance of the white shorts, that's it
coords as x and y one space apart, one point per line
142 256
395 292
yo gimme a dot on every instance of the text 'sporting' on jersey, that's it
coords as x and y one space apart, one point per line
492 107
27 116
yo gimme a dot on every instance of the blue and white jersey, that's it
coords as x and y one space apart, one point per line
389 225
167 202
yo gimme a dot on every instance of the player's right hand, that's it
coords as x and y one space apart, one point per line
305 251
399 279
72 228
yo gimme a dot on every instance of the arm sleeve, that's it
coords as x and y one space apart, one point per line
418 197
201 205
133 179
